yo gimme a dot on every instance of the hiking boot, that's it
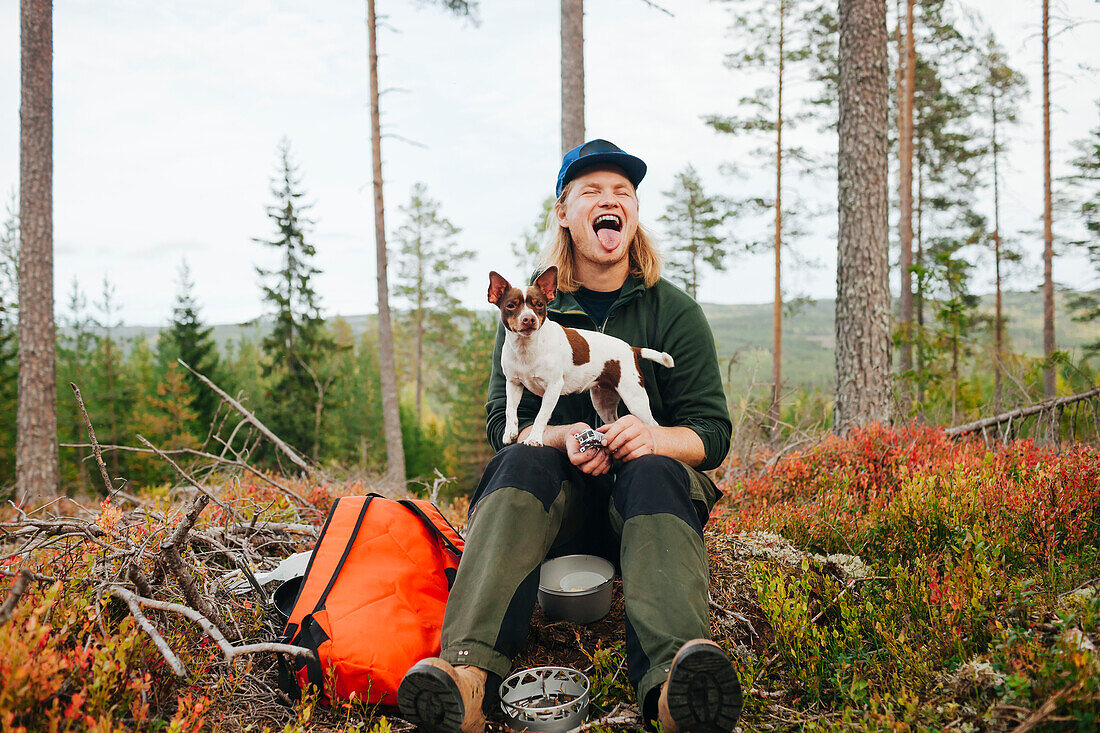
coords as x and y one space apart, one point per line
702 693
439 698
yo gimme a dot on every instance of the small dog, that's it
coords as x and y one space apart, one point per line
550 360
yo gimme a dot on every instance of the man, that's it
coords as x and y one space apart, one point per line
640 501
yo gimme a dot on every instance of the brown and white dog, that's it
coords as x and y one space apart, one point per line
550 360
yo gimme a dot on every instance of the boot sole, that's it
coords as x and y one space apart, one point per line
429 699
704 694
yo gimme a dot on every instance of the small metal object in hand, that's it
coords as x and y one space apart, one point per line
589 439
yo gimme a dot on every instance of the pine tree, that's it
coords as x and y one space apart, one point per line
188 339
1085 197
299 343
863 392
693 221
1005 88
391 412
37 472
428 272
772 39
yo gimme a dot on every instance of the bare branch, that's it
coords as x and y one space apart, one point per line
289 452
187 477
150 630
95 444
228 650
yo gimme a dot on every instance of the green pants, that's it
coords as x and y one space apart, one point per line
647 516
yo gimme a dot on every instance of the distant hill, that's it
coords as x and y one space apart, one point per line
744 333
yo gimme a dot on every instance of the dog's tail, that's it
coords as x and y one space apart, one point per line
658 356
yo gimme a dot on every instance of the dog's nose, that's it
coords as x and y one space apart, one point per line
527 320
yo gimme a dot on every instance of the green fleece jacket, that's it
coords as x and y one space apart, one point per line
664 318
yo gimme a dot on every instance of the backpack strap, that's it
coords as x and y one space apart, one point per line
436 524
347 550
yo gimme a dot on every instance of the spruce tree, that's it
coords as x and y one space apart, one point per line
693 222
9 344
299 343
428 275
467 388
188 339
75 353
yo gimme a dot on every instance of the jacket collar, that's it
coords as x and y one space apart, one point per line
565 303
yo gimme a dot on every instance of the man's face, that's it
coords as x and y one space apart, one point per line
601 213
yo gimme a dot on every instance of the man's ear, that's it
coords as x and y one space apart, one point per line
559 212
547 282
497 286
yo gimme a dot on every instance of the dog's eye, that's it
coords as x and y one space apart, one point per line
511 306
537 303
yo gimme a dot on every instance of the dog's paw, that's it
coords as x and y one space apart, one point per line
532 440
510 436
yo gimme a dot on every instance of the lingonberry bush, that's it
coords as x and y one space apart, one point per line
979 603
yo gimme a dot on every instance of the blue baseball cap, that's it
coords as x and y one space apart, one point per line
597 152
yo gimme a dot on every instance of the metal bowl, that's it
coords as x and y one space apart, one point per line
282 600
545 699
576 588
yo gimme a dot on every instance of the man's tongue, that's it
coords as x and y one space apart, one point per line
609 238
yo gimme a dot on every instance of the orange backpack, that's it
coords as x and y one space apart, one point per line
371 602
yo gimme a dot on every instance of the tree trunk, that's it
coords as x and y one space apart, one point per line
863 389
391 413
918 297
905 190
1048 231
37 471
419 327
572 74
998 318
777 300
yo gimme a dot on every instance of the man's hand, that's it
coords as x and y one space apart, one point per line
594 461
628 438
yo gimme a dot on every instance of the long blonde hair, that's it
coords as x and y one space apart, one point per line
645 260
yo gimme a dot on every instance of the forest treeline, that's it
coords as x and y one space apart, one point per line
955 99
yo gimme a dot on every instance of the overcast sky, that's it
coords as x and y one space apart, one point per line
167 116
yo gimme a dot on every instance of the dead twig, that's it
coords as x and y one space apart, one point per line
19 587
95 443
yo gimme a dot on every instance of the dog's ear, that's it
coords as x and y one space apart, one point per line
497 286
547 282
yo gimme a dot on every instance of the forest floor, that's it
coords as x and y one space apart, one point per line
893 579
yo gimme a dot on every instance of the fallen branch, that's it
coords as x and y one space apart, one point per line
228 650
186 476
289 452
1038 407
17 589
1043 712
